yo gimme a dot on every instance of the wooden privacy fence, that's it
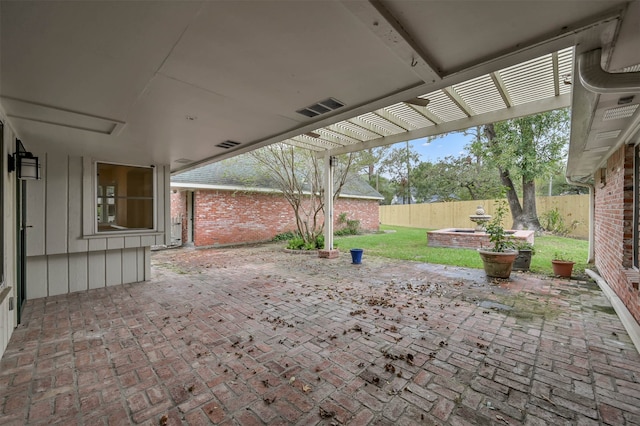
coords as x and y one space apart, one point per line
456 214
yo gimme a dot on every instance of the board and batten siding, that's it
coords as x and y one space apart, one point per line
8 288
64 255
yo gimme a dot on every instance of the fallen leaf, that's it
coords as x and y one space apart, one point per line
306 388
291 380
325 414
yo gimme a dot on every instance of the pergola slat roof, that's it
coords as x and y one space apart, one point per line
532 83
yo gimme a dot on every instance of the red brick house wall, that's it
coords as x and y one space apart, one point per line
227 217
613 226
366 211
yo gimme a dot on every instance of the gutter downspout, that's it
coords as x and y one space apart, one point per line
592 215
596 80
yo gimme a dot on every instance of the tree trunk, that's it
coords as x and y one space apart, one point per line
470 190
505 178
529 217
512 197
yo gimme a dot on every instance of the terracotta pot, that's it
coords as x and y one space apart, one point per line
497 264
562 268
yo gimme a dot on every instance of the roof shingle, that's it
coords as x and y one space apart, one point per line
243 172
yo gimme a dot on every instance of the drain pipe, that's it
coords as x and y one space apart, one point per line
596 80
592 202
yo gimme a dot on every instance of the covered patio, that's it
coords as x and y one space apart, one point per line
294 339
254 336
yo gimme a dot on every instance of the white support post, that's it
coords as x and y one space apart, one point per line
328 201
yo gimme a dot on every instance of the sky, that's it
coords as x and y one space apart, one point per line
451 144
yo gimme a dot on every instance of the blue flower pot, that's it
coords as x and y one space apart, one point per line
356 256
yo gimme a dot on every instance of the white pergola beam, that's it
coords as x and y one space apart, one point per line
336 137
556 73
502 89
426 114
457 99
319 145
386 115
344 127
358 121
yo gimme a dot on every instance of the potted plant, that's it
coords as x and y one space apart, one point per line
523 258
498 260
562 265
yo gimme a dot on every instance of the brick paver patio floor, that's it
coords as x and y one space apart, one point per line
254 335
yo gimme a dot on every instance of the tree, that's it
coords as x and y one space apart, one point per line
386 188
556 184
465 177
525 149
455 178
299 173
370 162
433 182
398 165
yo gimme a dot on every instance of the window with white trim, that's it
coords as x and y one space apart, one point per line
124 197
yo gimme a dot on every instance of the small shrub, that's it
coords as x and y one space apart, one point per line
285 236
497 235
523 245
296 243
351 226
343 232
562 256
552 221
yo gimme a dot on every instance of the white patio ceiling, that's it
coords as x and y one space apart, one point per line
187 83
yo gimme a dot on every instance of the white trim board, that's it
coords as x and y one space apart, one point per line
628 321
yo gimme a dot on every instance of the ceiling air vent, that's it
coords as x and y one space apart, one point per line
183 161
228 144
321 107
607 135
632 68
619 112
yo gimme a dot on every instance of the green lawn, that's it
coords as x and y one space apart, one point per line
411 244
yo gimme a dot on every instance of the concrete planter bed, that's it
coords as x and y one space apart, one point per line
468 238
309 252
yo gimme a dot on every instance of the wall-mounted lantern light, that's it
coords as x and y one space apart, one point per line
24 163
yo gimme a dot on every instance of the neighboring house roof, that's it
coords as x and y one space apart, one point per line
242 174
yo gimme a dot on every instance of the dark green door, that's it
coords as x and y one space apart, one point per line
21 215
